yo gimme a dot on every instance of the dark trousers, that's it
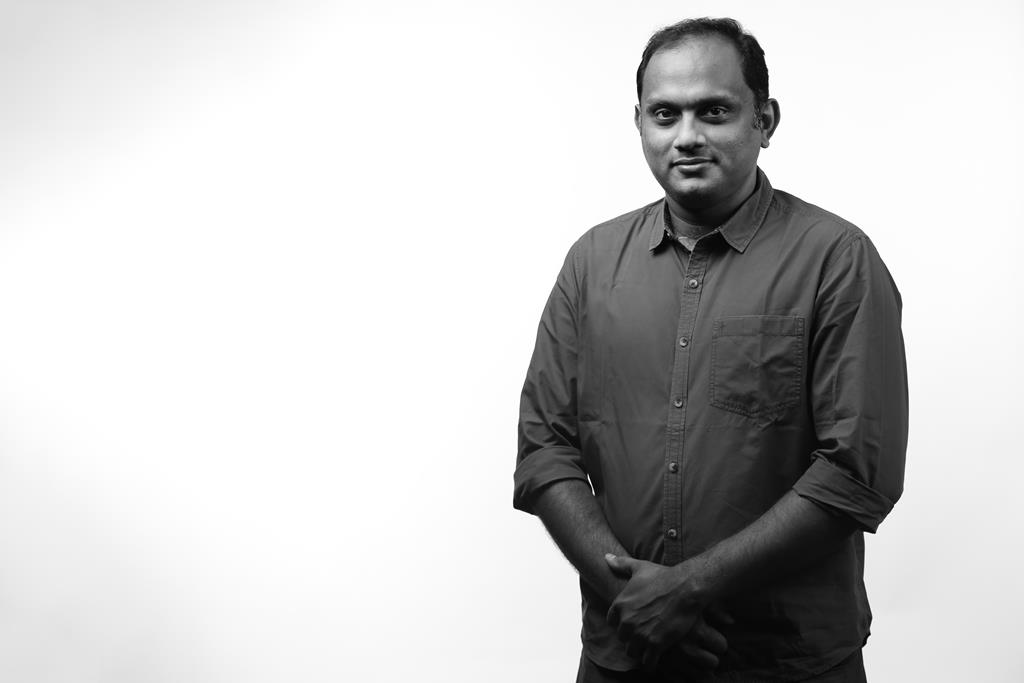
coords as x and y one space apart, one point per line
850 670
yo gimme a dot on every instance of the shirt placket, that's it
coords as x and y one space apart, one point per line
672 518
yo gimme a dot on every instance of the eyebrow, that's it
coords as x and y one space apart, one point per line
700 103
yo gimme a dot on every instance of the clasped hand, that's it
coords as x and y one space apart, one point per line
655 612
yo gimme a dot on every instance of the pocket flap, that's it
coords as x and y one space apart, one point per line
753 325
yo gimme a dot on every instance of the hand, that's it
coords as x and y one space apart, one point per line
655 611
700 649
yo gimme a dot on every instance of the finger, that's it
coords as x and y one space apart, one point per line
710 638
623 629
613 615
623 566
690 659
698 657
651 657
627 633
677 662
636 648
718 615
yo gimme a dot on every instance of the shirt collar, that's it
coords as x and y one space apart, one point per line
660 230
738 231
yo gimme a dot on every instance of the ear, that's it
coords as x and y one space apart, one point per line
636 117
770 117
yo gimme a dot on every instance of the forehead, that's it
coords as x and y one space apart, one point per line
697 67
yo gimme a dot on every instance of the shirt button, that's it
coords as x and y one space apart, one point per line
683 341
678 403
672 533
673 467
693 283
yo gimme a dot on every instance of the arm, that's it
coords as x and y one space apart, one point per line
577 525
660 605
791 535
550 477
579 528
858 397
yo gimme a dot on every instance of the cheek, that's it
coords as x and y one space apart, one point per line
655 147
657 139
741 145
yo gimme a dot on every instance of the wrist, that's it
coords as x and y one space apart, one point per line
699 581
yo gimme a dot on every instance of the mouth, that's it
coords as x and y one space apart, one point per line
691 163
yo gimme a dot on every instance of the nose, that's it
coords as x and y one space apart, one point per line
690 133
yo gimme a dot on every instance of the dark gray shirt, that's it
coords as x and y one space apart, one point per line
693 393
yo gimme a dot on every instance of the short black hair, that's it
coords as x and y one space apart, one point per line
755 71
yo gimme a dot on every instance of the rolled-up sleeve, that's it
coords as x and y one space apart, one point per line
549 446
858 388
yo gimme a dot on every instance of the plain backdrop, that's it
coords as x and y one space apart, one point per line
270 275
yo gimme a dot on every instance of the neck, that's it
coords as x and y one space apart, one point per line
713 215
684 227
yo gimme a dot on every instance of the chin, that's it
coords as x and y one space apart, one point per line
697 195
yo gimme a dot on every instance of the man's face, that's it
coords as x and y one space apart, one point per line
696 123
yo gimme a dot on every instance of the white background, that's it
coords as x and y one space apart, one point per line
270 274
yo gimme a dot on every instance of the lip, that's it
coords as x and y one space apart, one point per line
691 162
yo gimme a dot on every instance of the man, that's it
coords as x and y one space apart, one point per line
716 408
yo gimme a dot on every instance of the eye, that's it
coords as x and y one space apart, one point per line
663 115
715 111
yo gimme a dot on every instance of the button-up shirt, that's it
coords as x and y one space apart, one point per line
693 392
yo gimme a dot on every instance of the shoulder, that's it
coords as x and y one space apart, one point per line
812 219
601 244
813 226
614 240
618 231
845 253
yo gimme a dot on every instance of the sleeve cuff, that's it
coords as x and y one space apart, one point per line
541 468
833 487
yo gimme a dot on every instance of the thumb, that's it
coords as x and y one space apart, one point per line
624 566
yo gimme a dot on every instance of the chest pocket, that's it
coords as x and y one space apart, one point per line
757 364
